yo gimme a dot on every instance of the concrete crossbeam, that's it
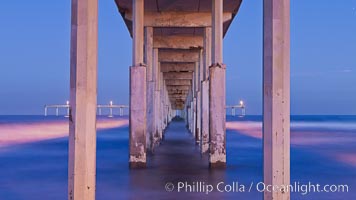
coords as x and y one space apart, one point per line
178 42
178 82
178 88
178 19
178 75
177 67
178 56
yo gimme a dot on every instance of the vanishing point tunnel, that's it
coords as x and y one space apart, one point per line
177 64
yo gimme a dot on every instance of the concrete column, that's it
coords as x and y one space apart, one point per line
83 94
149 52
156 99
195 93
217 156
207 52
187 106
196 78
162 106
158 134
194 117
150 88
205 92
137 32
205 117
189 110
276 99
199 97
198 118
217 31
138 91
191 117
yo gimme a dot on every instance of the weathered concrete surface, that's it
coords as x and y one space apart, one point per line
194 128
162 7
178 96
276 91
178 42
151 112
207 52
178 19
177 91
178 75
178 82
177 67
158 133
179 88
83 94
156 69
178 56
138 112
217 98
137 117
217 32
149 59
138 32
198 122
217 157
149 52
205 117
205 91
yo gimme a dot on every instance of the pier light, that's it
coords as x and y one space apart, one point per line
111 103
241 103
67 102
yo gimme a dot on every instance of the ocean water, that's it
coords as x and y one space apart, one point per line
34 160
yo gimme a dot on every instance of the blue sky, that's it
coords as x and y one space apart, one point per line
34 56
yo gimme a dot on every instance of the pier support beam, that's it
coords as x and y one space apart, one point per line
199 78
205 117
217 156
205 91
156 99
217 116
137 120
276 99
150 88
83 94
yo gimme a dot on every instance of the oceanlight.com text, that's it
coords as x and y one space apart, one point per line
295 187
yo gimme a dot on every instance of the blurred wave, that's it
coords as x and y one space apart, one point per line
18 132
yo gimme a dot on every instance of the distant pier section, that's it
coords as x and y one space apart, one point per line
111 106
241 106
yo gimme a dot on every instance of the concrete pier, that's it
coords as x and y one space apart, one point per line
83 94
186 67
138 89
276 96
217 97
177 68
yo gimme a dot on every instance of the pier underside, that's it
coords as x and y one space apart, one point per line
177 70
177 59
